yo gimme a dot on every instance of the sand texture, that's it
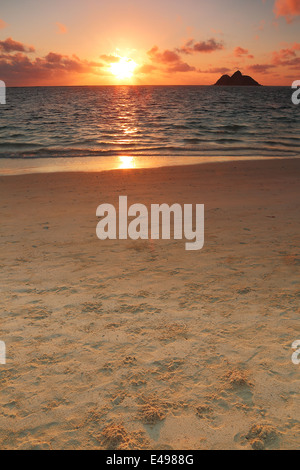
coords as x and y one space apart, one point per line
141 344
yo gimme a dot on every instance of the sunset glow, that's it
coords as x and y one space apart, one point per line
124 68
169 43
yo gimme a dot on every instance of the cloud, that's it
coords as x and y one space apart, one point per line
181 67
293 63
287 57
110 59
207 47
260 68
171 60
59 62
287 8
165 57
61 28
240 52
219 70
19 69
2 24
146 68
9 45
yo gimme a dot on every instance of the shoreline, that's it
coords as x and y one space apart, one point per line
100 164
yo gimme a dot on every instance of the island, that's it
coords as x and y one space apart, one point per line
237 79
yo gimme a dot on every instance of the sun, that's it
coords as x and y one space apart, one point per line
124 68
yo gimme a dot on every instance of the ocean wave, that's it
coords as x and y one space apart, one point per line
101 121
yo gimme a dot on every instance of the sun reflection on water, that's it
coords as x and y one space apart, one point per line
126 163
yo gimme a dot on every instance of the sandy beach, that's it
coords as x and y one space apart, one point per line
141 344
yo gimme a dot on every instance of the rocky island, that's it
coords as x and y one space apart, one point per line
237 79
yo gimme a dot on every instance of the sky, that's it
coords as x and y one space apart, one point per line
142 42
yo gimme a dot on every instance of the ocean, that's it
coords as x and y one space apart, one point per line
166 121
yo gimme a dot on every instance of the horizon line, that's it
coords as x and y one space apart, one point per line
141 85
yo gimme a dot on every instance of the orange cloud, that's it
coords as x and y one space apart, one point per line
260 68
18 69
240 52
170 59
218 70
146 68
287 57
61 28
110 59
164 57
2 24
9 45
287 8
